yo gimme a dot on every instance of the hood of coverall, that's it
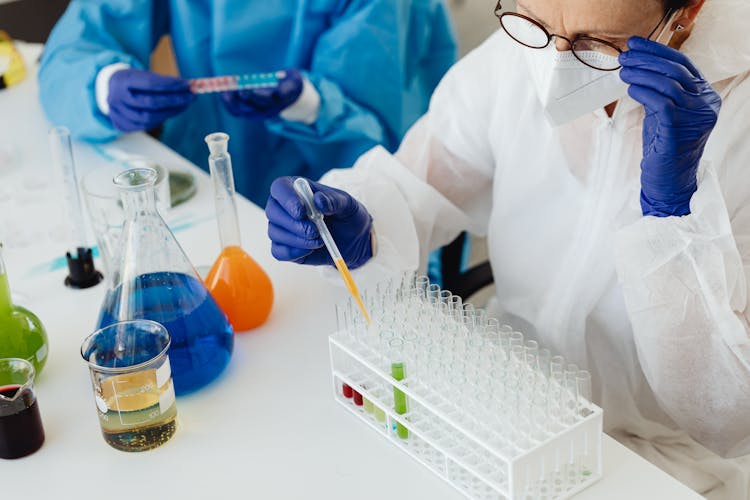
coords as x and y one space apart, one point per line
720 43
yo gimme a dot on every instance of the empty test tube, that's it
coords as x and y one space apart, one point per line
516 339
583 383
570 393
422 285
556 364
544 357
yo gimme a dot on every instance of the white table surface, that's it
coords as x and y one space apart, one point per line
268 428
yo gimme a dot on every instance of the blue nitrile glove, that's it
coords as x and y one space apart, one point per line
681 111
295 238
263 103
142 100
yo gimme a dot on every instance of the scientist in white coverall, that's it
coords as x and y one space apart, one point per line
611 174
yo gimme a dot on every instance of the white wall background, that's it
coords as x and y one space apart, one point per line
475 20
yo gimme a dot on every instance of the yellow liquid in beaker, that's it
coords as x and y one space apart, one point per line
138 416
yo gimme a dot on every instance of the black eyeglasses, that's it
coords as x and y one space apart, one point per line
591 51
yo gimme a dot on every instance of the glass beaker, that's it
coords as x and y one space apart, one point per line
133 388
155 280
239 285
21 431
22 335
105 213
105 209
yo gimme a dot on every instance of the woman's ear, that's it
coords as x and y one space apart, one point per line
687 16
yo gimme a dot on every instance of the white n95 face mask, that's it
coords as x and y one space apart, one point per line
568 88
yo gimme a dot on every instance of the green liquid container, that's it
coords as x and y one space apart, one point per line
400 404
21 333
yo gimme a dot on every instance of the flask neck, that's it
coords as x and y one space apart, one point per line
224 195
137 192
6 304
138 202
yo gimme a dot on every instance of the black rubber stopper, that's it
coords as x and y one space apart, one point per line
81 270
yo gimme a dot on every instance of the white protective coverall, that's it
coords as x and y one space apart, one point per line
656 308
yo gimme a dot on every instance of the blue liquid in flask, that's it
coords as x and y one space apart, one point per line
202 338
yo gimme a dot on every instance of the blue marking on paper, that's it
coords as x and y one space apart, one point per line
62 262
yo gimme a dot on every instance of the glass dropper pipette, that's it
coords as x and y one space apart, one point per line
304 191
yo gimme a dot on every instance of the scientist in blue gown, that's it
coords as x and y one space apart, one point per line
360 72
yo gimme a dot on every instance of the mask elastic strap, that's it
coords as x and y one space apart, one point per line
667 29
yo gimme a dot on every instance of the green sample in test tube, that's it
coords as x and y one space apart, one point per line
398 372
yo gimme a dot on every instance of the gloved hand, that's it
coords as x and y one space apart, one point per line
295 238
142 100
681 111
263 103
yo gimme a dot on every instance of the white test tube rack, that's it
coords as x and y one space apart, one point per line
471 427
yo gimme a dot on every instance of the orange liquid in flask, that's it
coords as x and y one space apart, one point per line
241 288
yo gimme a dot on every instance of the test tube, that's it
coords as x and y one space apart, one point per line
555 397
516 339
357 397
433 294
469 316
342 321
445 297
457 307
544 357
556 364
384 338
423 286
346 390
481 318
570 393
583 383
398 372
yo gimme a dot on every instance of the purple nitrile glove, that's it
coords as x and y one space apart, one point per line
681 111
295 238
268 102
142 100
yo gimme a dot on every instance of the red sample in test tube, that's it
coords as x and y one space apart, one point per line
348 392
357 398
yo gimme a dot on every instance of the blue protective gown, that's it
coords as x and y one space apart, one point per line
374 63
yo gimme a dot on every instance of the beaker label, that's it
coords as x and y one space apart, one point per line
101 404
163 373
166 399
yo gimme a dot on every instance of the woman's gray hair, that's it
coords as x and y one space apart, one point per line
678 4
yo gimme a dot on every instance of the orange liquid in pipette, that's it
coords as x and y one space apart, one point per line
241 288
349 282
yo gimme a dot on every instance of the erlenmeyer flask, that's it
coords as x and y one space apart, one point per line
21 333
240 286
156 281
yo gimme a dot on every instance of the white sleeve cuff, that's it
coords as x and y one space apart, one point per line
101 86
396 246
677 261
307 106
